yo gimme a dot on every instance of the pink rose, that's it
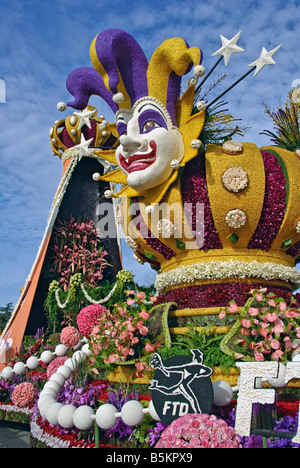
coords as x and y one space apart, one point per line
275 344
246 323
253 312
144 314
144 330
259 356
233 308
149 348
222 315
141 295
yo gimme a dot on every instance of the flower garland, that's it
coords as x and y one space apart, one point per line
227 269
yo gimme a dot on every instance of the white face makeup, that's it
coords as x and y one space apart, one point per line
148 144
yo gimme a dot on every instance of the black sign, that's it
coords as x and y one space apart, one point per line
181 385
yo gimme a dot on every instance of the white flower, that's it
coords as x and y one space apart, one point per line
131 242
232 147
236 218
165 228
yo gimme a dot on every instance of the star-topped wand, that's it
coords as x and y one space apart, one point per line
228 48
266 58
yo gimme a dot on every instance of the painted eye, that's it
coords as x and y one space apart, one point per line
149 125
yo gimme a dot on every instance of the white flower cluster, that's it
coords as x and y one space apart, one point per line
166 228
236 218
227 269
235 179
131 243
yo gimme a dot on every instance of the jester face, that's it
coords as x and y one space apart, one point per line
148 143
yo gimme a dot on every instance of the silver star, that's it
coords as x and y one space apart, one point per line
229 47
264 59
84 117
83 146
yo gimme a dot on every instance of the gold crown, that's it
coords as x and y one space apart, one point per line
251 223
67 133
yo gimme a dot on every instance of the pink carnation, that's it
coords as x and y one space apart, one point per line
88 317
24 395
70 337
55 364
199 431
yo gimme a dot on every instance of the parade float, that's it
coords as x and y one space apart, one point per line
193 361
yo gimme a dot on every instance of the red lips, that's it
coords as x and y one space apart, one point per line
138 162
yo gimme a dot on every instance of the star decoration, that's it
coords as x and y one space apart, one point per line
84 117
229 47
266 58
83 146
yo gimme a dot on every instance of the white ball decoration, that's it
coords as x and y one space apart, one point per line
32 363
201 105
19 368
73 120
65 416
61 106
132 413
79 357
196 144
7 372
52 413
106 416
52 384
152 411
83 417
96 176
222 393
118 98
47 357
86 350
65 371
72 364
45 405
175 164
296 358
199 70
61 350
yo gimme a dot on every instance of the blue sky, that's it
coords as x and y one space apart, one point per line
42 42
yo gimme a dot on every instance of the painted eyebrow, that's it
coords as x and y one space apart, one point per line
153 105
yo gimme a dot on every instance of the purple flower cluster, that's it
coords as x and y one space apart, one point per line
274 205
85 395
194 190
120 430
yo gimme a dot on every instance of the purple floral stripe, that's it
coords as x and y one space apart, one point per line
194 190
218 295
150 239
273 207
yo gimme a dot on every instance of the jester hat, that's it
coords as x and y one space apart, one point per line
121 75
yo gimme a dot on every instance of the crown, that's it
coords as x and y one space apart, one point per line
68 133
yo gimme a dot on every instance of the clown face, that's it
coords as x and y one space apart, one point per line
148 143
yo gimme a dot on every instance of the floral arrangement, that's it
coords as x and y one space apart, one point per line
24 395
69 336
77 250
267 329
122 335
198 431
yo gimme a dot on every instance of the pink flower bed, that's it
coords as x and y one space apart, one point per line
198 431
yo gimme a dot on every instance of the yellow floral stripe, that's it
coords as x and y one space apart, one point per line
200 311
183 330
